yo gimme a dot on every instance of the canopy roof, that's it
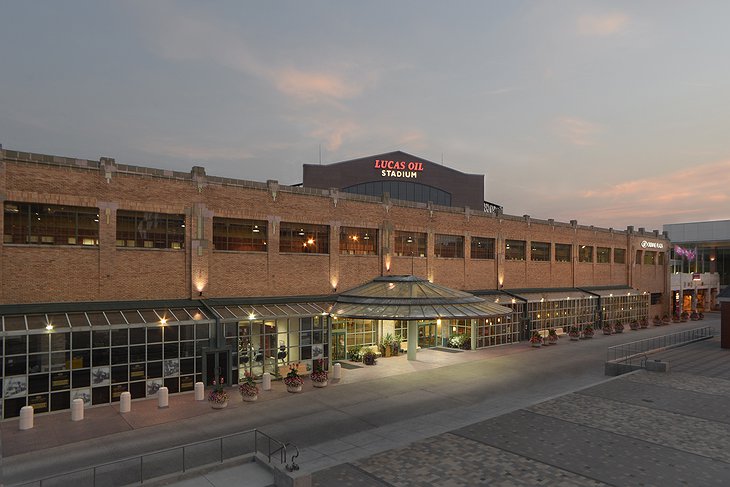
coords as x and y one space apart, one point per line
412 298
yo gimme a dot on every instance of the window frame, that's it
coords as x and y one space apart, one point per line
483 248
304 238
167 230
59 224
417 247
540 255
448 246
585 254
248 235
603 255
559 251
515 250
358 241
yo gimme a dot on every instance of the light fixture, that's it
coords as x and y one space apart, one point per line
301 232
163 321
251 316
49 327
367 237
310 241
255 229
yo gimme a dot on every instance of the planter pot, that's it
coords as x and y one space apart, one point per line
606 332
574 338
218 405
586 336
553 341
536 344
386 351
293 389
619 331
247 398
319 384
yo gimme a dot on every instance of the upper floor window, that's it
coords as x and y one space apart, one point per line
32 223
304 239
358 241
603 255
660 258
563 252
239 235
619 256
540 251
449 246
150 230
649 257
482 248
514 250
585 253
402 190
410 244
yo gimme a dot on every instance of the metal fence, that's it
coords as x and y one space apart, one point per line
149 466
627 351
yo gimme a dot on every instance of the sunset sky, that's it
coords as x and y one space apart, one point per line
611 113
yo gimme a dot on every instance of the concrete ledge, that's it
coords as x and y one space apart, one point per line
657 366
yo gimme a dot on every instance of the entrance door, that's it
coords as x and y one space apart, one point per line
217 366
339 347
427 335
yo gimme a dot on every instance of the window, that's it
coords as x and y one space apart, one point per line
514 250
585 253
649 258
150 230
619 256
304 239
638 257
410 244
482 248
563 252
29 223
449 246
540 251
402 190
603 255
358 241
660 258
656 298
239 235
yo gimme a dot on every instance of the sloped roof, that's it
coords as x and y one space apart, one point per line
412 298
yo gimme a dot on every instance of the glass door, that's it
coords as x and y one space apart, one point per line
427 335
217 366
339 349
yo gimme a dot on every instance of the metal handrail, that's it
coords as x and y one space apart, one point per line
626 351
278 447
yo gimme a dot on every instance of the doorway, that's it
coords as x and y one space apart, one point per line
427 334
217 365
339 349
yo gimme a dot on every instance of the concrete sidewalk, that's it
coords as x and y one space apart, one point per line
392 407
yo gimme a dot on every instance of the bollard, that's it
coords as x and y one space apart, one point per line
77 410
162 399
337 371
26 418
125 402
266 381
199 391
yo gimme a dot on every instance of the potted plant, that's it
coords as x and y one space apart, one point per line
644 323
319 375
657 321
619 327
396 344
552 337
385 345
248 388
461 341
701 316
684 316
355 353
574 333
665 319
218 397
292 380
368 358
694 316
536 339
588 331
634 325
607 329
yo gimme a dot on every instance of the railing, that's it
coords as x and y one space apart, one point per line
150 466
626 352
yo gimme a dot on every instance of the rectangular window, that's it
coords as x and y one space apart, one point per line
638 257
482 248
649 257
449 246
150 230
585 253
514 250
563 252
660 258
410 244
603 255
239 235
540 251
656 298
304 239
358 241
30 223
619 256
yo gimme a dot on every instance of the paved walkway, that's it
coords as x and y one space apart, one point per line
449 419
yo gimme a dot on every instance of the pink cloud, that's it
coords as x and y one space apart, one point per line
602 25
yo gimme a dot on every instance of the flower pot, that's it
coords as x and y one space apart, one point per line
574 338
319 384
553 340
536 344
218 405
293 389
247 398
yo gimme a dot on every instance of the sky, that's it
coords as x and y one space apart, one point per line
611 113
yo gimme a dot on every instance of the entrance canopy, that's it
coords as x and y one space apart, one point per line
412 298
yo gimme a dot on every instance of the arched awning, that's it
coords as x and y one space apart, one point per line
412 298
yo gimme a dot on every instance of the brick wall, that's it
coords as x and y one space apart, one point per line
46 274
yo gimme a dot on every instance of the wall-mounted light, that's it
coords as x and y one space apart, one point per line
49 327
251 316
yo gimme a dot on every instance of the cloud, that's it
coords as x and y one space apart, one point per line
576 130
197 36
171 148
334 133
602 25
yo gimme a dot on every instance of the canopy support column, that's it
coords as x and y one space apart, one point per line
474 325
412 339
